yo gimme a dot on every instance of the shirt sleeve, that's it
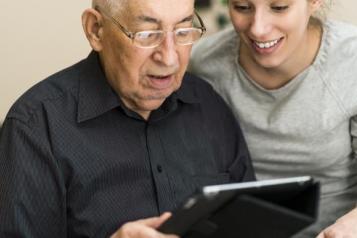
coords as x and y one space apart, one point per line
242 169
240 165
354 135
32 196
354 142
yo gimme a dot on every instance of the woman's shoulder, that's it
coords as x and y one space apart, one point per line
216 45
340 34
341 27
338 45
337 61
214 54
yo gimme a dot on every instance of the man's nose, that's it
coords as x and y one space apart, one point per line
261 24
166 52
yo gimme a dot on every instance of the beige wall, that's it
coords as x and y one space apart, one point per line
37 38
41 37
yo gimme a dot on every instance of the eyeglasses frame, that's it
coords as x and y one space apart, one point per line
131 35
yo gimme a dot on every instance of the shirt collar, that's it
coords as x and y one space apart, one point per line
96 96
187 93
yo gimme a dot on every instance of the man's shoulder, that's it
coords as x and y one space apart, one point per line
203 91
197 84
212 106
53 88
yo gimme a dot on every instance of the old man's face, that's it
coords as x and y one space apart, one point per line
145 77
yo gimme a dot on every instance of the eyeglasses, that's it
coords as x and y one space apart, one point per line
152 39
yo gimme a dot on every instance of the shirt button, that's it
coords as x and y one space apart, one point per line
159 168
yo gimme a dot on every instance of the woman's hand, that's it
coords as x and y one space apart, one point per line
345 227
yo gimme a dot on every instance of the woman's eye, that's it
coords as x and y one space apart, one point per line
242 8
280 8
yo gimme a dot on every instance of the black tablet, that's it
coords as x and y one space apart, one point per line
275 208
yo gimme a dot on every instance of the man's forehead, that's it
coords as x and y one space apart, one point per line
160 11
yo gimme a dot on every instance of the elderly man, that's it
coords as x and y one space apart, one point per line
121 136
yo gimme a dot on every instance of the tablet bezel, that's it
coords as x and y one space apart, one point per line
210 199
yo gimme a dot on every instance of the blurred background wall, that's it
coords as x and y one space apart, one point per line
40 37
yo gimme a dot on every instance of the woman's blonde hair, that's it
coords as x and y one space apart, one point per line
325 7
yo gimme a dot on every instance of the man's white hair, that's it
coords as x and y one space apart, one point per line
111 6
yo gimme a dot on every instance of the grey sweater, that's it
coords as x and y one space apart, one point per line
307 127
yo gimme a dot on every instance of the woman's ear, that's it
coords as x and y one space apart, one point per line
315 5
92 26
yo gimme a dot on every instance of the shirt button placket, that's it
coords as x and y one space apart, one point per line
159 168
156 157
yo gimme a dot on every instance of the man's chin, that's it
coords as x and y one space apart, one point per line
152 104
149 103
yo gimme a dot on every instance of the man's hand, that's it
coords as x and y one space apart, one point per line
145 228
345 227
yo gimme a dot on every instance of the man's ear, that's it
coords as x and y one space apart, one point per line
92 26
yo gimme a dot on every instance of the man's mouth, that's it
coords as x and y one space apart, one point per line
153 76
161 81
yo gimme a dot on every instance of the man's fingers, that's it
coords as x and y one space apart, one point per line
163 218
144 228
155 222
321 235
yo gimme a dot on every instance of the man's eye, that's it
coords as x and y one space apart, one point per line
182 33
279 8
147 35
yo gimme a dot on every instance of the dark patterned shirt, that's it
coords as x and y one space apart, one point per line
75 162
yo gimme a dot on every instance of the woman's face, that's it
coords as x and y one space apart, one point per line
272 32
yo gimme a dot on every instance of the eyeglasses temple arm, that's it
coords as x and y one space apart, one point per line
203 27
126 32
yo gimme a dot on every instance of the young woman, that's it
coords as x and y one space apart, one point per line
291 80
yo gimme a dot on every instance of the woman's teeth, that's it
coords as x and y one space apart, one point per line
265 45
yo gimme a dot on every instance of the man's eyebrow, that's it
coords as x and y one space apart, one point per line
189 18
148 19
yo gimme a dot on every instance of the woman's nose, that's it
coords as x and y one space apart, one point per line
260 25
